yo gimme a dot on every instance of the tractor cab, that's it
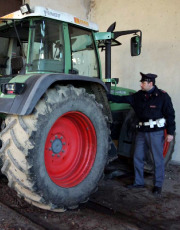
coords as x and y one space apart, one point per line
41 40
44 41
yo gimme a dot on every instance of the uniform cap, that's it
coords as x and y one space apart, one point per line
149 77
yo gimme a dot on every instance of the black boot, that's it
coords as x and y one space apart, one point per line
157 190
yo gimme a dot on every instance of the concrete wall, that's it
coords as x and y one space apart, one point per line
159 21
78 8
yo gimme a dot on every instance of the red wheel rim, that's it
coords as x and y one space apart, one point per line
70 149
166 145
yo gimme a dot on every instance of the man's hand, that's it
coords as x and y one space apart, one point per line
109 96
169 138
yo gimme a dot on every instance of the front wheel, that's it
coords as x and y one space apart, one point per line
127 143
55 157
167 154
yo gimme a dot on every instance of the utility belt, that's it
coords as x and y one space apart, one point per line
151 123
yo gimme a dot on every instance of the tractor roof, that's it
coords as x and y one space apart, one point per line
53 14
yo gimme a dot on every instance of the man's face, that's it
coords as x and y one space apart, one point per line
146 86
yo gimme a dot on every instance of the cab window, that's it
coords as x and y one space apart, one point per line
47 47
83 53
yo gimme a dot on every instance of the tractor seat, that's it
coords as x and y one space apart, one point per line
18 65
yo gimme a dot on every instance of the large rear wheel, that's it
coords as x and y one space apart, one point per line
55 157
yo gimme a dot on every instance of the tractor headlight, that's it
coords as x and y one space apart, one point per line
25 9
12 88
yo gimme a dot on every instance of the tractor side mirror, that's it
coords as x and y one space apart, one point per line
135 45
115 81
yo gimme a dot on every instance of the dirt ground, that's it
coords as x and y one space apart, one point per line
112 207
145 210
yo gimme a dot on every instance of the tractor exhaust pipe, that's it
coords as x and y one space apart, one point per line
108 57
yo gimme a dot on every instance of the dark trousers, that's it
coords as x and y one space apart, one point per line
154 141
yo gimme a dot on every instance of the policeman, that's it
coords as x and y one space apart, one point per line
155 113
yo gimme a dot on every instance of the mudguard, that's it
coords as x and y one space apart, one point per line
36 86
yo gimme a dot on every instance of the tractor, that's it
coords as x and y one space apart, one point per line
58 130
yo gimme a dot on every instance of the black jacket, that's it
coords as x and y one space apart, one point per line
147 106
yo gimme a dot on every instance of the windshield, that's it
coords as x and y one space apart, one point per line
13 44
47 47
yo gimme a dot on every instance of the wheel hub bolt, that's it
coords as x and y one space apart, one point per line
56 146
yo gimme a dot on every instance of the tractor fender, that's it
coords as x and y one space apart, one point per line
36 86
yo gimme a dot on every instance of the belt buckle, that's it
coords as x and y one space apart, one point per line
151 123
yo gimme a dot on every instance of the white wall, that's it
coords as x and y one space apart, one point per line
78 8
159 21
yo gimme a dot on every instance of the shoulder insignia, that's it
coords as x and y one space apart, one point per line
163 91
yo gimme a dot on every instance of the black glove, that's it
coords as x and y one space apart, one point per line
109 96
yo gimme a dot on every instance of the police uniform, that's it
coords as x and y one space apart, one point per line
155 113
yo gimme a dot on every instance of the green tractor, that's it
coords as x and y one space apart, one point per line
56 121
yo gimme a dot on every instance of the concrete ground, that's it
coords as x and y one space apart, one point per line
112 207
